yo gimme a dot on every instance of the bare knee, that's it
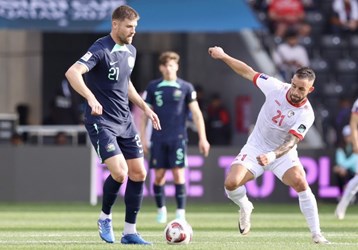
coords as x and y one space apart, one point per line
160 181
237 176
299 185
138 175
136 169
231 183
119 176
295 178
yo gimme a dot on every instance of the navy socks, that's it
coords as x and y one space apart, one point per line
110 193
133 199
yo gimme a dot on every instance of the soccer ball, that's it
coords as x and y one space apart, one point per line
178 232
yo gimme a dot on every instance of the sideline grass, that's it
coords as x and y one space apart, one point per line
73 226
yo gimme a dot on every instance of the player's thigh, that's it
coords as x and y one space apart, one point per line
247 160
159 176
136 169
117 166
295 177
133 153
289 170
281 165
103 141
158 155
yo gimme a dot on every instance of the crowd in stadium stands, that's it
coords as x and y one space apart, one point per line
327 34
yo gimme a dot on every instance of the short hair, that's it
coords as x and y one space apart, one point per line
168 55
305 73
125 12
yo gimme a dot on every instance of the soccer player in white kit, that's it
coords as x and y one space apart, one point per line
352 186
283 121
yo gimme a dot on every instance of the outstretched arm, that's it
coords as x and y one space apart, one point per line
290 141
238 66
138 100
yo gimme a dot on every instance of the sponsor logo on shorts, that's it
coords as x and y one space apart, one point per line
110 147
178 162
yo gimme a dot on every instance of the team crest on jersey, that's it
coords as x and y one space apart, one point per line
177 94
263 76
290 113
110 147
131 61
86 56
301 128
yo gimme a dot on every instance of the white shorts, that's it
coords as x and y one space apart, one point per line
247 158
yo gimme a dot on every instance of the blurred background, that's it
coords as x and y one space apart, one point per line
43 141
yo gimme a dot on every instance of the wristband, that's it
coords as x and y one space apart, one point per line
271 156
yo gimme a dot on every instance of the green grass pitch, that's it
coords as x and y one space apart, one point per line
73 226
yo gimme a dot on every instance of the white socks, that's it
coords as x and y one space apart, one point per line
103 216
350 190
308 206
129 228
162 209
238 196
180 213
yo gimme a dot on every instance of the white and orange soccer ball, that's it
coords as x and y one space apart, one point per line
178 232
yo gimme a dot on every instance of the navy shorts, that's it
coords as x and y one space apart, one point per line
168 154
107 144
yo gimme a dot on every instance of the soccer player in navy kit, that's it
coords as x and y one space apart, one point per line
172 99
107 66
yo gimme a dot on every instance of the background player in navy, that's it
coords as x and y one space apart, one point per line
172 99
107 66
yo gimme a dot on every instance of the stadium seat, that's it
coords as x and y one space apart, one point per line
346 72
308 43
322 70
353 46
333 47
316 21
325 6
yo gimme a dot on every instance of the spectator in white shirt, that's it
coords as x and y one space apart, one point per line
290 55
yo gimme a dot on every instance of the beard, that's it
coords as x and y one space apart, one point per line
126 40
296 99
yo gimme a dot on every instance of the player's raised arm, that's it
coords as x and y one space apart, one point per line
238 66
